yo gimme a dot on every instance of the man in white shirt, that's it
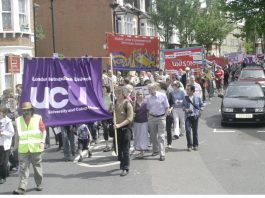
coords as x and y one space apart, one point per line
198 88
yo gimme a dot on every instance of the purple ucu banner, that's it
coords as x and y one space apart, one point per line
64 92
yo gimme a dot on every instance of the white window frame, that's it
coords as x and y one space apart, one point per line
128 25
150 29
11 16
23 24
142 5
135 28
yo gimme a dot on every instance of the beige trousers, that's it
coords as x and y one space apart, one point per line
25 159
157 127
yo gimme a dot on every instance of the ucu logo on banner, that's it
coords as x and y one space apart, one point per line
65 96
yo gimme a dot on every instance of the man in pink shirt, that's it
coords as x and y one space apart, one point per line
219 80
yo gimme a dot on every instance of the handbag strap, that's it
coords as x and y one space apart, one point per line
188 99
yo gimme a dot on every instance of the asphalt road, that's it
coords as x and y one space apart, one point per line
230 160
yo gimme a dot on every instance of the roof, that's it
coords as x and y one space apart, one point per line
237 83
255 67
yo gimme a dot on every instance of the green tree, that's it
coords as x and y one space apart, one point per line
163 16
211 25
249 47
39 33
252 12
187 13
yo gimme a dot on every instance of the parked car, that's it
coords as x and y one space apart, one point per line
253 73
243 102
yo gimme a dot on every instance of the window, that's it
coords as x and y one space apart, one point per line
150 30
135 27
142 5
23 19
7 14
119 24
148 5
8 81
128 25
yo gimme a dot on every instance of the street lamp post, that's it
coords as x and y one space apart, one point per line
53 32
35 6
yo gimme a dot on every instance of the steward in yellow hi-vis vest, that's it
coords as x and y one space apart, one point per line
30 136
30 139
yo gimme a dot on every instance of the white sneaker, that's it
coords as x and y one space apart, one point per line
169 146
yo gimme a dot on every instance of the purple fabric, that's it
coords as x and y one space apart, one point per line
140 113
64 92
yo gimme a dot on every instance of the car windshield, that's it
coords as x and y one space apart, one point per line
252 74
244 91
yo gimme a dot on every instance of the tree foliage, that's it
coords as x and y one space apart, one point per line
206 26
187 13
39 33
163 16
252 12
212 26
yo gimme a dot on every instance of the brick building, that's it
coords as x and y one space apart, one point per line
77 28
73 28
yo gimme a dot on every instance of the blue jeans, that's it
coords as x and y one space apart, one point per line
68 142
192 124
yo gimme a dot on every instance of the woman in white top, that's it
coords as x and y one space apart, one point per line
6 134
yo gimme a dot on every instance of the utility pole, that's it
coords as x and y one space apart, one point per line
53 31
35 6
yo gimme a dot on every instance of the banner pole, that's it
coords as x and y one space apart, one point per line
113 102
12 77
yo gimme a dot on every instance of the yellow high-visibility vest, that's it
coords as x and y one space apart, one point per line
30 136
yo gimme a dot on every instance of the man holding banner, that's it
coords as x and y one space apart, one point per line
124 117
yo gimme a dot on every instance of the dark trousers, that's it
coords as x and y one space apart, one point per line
68 142
192 124
13 157
60 139
106 125
93 130
47 140
210 89
4 156
124 140
203 94
169 122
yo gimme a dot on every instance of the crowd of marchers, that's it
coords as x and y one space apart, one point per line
151 109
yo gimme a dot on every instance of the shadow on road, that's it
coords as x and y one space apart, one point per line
85 175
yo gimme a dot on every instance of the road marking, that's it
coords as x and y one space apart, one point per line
94 155
98 165
222 131
260 131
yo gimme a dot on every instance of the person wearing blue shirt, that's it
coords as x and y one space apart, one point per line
176 99
192 106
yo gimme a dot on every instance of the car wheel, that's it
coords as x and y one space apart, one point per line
223 123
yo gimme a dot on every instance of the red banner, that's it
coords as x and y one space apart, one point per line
133 52
183 57
218 60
